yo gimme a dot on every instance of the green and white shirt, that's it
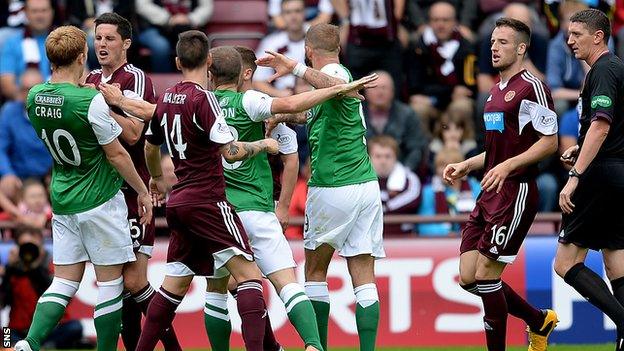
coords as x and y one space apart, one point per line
74 122
337 139
249 183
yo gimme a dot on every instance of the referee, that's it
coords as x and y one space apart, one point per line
592 200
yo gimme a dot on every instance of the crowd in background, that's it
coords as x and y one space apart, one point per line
435 73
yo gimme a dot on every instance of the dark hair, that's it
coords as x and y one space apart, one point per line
18 231
226 65
192 49
518 26
248 57
595 20
124 28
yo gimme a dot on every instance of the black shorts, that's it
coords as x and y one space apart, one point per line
597 221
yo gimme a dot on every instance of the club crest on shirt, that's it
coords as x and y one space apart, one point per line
224 101
510 95
494 121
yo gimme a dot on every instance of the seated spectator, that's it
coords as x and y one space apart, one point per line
26 49
22 154
28 274
454 131
162 21
564 72
400 187
316 11
418 9
34 206
289 42
384 114
441 67
440 198
298 202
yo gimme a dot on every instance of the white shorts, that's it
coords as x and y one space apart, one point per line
99 235
348 218
270 247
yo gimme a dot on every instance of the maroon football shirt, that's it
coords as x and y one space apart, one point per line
189 120
506 135
134 79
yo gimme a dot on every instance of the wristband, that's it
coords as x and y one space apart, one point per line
574 173
300 69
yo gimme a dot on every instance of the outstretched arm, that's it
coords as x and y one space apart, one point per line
239 150
139 108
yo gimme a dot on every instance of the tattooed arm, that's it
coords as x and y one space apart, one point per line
239 150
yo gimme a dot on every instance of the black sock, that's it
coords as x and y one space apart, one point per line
591 286
471 288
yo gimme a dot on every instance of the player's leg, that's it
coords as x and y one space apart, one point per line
107 315
51 305
468 270
249 299
216 316
316 265
615 272
162 308
362 271
489 284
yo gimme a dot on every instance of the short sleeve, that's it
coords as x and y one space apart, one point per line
603 91
257 105
104 126
209 117
154 134
543 119
337 71
286 138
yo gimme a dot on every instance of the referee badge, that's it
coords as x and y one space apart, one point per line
510 95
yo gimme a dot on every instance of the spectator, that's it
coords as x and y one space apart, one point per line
26 278
163 20
316 11
440 198
371 36
22 154
400 187
489 7
82 14
467 9
384 114
298 202
442 65
618 26
34 206
289 42
565 73
454 131
26 49
13 17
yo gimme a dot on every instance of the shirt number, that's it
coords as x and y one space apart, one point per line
57 153
175 135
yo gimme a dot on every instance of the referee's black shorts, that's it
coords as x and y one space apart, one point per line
597 221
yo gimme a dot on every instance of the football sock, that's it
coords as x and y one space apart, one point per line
270 343
301 314
471 288
50 308
107 315
319 297
160 314
252 310
130 322
168 338
520 308
217 321
591 286
495 308
367 315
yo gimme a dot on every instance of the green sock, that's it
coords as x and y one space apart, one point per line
107 314
217 321
301 314
50 309
367 320
321 309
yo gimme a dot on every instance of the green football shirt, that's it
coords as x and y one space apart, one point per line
337 139
74 122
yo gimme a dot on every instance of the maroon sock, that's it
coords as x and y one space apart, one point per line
270 343
130 322
159 317
495 319
169 338
519 307
252 310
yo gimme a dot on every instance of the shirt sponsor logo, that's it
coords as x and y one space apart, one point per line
283 139
494 121
49 99
548 120
510 95
601 100
223 128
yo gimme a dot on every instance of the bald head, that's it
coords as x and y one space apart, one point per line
442 19
517 11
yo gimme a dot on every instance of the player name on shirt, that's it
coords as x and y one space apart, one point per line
177 99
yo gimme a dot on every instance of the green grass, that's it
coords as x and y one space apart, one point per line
592 347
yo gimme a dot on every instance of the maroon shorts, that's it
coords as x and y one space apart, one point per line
203 238
142 235
500 222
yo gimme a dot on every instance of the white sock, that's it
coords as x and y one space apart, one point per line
291 295
218 301
366 295
317 291
60 291
109 297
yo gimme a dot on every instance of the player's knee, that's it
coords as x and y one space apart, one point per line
562 266
133 282
466 277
